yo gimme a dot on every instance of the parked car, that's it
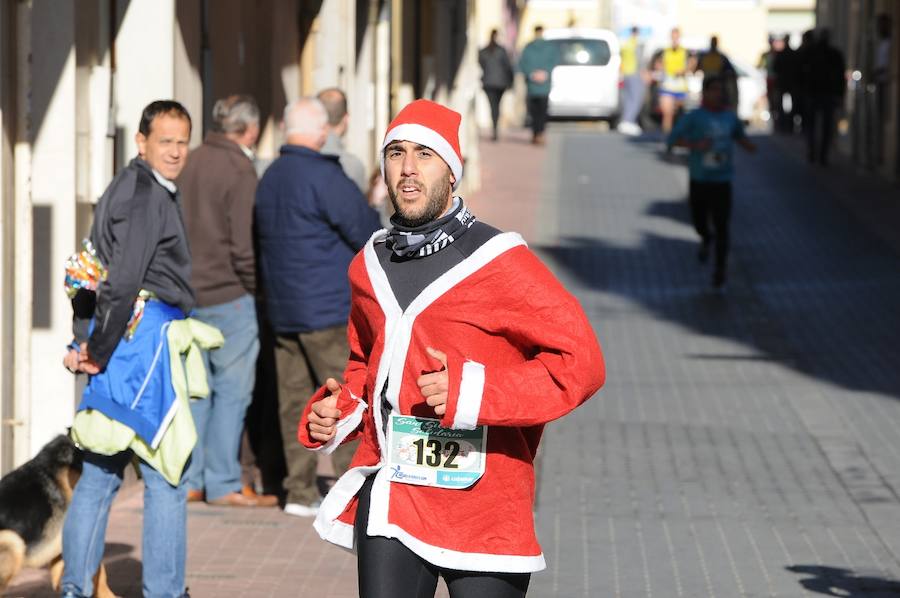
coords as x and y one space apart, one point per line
585 83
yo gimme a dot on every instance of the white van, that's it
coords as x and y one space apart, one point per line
585 83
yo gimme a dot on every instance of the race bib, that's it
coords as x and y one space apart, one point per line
714 160
421 452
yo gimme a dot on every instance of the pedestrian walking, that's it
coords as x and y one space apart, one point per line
335 102
310 221
786 78
218 185
141 288
827 85
709 132
804 66
463 345
538 59
671 68
767 63
632 84
496 76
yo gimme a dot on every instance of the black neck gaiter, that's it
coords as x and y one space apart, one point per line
432 236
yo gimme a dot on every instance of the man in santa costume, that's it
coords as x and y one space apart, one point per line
462 346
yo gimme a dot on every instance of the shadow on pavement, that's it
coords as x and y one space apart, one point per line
677 211
774 317
834 581
123 572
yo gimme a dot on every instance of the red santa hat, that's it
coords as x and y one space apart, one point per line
432 125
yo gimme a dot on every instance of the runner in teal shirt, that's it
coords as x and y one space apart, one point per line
710 132
538 59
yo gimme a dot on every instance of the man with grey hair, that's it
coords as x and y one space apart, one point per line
335 102
311 219
218 185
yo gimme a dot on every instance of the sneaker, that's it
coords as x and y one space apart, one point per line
298 510
629 129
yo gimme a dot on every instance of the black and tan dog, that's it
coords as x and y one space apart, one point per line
33 503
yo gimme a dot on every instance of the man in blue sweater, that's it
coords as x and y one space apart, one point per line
311 219
710 132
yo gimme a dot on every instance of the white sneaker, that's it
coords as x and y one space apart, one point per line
298 510
630 129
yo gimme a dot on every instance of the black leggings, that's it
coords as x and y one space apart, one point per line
711 202
388 569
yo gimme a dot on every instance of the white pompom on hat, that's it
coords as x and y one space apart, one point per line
432 125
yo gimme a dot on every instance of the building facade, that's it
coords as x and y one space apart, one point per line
872 106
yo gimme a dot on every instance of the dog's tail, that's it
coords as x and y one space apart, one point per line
12 556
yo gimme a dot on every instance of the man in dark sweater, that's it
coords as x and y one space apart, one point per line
310 221
496 76
139 237
218 185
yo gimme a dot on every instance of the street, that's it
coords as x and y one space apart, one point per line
746 443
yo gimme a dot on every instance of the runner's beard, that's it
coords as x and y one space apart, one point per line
434 208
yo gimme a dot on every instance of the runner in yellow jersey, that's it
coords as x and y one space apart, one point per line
672 68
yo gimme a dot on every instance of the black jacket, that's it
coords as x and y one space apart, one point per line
140 237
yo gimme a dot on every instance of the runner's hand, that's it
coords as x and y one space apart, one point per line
434 386
324 414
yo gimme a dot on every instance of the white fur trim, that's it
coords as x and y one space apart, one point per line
429 138
471 389
436 555
392 313
337 499
482 256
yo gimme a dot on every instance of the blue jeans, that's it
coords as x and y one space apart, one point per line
164 533
220 418
632 98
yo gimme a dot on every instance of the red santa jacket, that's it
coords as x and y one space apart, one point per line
520 353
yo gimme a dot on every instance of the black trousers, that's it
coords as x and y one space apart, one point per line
819 133
494 95
711 205
388 569
537 110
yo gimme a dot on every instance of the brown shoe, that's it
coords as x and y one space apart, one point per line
195 496
262 500
234 499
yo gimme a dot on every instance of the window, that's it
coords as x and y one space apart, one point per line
594 52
